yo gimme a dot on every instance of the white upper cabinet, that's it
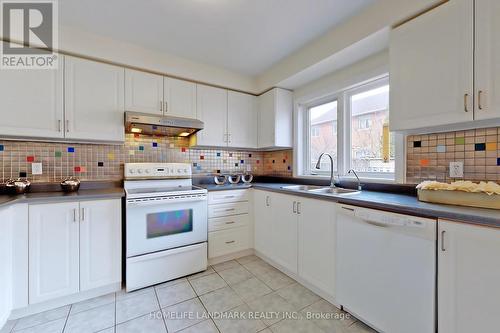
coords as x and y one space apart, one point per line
143 92
100 243
94 101
31 102
275 127
53 251
487 55
211 108
179 98
468 275
431 68
242 120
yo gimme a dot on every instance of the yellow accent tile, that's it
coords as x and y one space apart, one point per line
111 156
491 146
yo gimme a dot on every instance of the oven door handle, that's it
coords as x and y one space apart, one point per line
135 203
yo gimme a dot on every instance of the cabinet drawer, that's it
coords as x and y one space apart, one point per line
228 222
227 209
221 197
227 241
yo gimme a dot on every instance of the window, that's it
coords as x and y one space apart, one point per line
353 127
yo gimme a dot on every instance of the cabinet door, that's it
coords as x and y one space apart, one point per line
487 53
94 101
5 265
431 66
143 92
284 231
31 103
316 244
266 120
53 251
468 275
241 120
263 222
180 98
100 243
211 108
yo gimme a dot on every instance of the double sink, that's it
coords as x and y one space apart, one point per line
320 189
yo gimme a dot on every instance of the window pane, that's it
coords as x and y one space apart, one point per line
372 144
323 134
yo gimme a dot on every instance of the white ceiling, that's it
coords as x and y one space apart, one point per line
246 36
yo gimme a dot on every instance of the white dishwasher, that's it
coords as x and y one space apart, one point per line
386 269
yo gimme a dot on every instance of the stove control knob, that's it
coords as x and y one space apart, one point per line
147 170
131 171
179 170
186 171
139 171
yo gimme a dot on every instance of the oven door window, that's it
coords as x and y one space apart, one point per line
169 223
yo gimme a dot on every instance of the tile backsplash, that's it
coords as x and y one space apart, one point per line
105 162
429 155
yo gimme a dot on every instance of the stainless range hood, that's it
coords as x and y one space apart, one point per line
145 123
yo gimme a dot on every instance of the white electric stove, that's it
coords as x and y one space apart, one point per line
166 223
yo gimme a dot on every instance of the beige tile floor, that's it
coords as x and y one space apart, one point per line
242 295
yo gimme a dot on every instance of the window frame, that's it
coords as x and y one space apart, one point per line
344 133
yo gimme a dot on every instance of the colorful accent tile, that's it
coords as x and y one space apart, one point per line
258 161
111 156
23 174
137 135
195 164
441 149
83 169
30 158
274 161
417 144
202 157
424 163
1 148
183 150
491 146
71 149
131 152
218 154
100 164
459 141
57 154
141 148
236 164
289 168
242 161
284 161
249 155
230 154
498 161
480 147
155 144
77 169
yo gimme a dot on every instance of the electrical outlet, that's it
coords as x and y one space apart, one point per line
36 168
456 169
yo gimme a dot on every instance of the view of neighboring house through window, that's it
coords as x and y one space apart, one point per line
366 144
323 123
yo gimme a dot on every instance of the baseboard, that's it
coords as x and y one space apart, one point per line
3 321
231 256
66 300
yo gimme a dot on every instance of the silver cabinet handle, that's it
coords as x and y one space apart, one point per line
74 214
442 241
161 105
298 207
267 200
229 209
83 215
166 107
230 242
295 207
231 222
59 124
466 98
229 138
479 103
229 196
67 126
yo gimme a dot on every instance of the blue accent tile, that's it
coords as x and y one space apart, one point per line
1 148
289 168
441 149
71 149
498 161
155 144
195 164
242 161
198 167
141 148
155 127
218 154
480 147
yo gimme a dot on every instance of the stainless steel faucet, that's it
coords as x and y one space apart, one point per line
359 182
318 166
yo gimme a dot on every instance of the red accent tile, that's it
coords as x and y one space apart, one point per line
424 162
258 161
202 157
30 158
136 135
183 150
77 169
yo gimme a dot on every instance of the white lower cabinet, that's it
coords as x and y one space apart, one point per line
229 227
468 277
298 235
5 266
73 247
100 243
53 251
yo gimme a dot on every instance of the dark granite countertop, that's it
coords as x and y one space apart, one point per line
46 194
402 203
